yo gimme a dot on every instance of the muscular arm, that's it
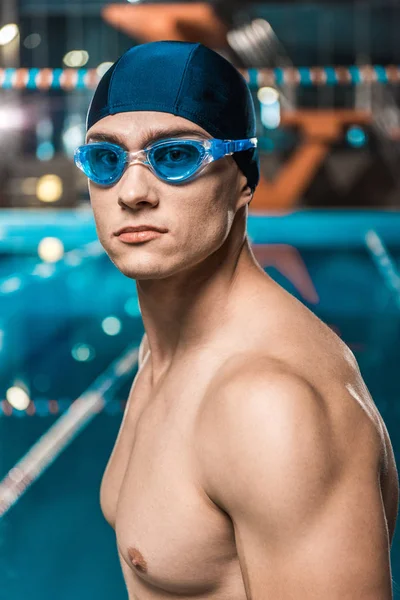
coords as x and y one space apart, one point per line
303 522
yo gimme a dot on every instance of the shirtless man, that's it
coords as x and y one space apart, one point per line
251 462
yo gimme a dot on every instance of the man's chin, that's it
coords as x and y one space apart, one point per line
146 272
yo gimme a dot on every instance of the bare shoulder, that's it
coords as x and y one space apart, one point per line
263 398
260 406
285 402
260 390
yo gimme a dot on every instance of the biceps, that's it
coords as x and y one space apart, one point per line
341 554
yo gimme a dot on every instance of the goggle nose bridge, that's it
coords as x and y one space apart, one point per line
140 156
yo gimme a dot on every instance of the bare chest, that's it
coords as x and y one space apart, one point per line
172 539
169 533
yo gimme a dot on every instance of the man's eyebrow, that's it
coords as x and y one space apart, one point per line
148 137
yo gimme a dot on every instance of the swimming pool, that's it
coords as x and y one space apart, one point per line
62 324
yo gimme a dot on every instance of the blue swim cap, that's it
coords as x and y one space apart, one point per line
184 79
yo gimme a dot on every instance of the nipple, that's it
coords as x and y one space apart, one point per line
137 560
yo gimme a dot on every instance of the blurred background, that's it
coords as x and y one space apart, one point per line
324 223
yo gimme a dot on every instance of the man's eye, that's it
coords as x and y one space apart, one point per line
108 157
175 155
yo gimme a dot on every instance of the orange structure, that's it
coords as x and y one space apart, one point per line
320 130
187 22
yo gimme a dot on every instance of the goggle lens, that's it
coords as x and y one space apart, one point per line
101 163
177 160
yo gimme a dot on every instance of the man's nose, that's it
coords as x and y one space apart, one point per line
136 186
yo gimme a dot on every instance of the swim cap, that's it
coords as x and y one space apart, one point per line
184 79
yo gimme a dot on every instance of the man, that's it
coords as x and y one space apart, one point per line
251 462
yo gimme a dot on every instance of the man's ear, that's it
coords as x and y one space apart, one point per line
245 195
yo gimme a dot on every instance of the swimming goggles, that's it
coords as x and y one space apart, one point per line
173 160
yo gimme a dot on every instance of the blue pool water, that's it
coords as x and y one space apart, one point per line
54 543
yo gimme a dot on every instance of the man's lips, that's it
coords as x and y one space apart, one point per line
136 228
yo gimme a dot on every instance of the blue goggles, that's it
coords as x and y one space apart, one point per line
173 160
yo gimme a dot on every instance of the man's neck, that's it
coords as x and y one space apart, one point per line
184 312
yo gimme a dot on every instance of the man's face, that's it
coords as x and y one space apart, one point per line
197 215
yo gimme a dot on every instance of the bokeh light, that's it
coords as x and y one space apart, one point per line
271 115
49 188
356 137
18 398
32 41
103 68
45 151
51 249
8 33
73 136
268 95
111 325
76 58
83 352
11 118
10 285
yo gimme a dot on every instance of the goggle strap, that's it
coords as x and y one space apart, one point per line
224 148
